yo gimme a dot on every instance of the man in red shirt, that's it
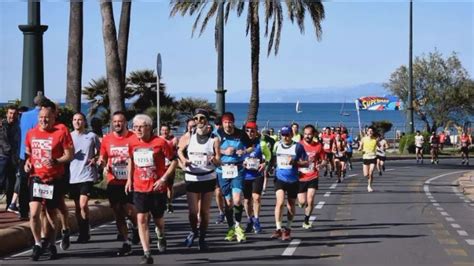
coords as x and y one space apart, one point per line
308 179
327 139
48 148
149 181
172 141
115 156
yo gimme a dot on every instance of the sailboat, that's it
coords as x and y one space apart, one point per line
341 112
298 108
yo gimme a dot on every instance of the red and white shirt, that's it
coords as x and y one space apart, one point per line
316 154
117 151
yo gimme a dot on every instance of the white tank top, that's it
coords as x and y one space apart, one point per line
201 168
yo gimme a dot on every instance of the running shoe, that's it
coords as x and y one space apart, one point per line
202 245
220 218
432 162
338 180
462 163
330 174
146 260
257 228
307 225
161 245
135 236
350 166
188 242
240 234
36 253
276 234
370 189
286 234
230 236
437 161
326 173
125 250
65 241
170 208
383 167
13 208
53 252
380 173
249 226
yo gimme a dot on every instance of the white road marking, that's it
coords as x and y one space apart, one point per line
449 219
327 194
291 247
320 205
352 175
462 233
470 241
312 218
435 204
455 225
432 200
440 209
467 201
426 189
444 214
387 170
333 186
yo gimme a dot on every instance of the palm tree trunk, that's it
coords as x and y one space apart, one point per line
255 59
124 30
74 56
114 71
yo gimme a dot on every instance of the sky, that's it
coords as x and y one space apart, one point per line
362 42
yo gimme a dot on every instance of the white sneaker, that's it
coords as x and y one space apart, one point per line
369 189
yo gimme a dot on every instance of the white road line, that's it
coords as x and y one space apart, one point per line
320 205
455 225
428 194
333 186
440 209
435 204
449 219
291 247
439 176
467 201
312 218
462 233
387 170
470 241
327 194
432 200
426 189
444 214
352 175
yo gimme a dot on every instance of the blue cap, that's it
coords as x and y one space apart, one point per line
285 130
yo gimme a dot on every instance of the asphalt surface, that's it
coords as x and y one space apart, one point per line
415 216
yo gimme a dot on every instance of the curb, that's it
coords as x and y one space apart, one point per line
466 185
20 237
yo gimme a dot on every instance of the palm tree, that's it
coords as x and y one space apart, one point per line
74 56
273 14
124 30
114 71
97 95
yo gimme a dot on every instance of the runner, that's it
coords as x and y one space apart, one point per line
199 153
289 156
115 157
349 149
217 191
230 175
270 143
465 142
442 140
254 165
172 141
295 128
382 146
309 176
149 181
368 145
47 150
327 139
419 141
434 142
83 172
339 151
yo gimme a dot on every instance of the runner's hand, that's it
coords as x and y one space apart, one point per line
158 183
261 167
128 187
27 166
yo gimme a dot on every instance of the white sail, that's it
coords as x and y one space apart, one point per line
298 108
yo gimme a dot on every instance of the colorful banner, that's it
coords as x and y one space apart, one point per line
375 103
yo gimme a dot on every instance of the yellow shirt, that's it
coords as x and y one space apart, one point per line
369 147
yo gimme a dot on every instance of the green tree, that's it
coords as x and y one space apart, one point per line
382 127
273 17
443 90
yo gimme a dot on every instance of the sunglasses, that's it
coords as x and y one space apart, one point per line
200 118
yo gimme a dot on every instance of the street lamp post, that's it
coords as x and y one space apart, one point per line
33 71
410 122
158 77
220 92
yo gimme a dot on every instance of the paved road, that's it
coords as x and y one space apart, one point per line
415 216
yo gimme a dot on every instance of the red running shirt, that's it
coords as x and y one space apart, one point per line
315 154
327 140
117 151
149 163
46 145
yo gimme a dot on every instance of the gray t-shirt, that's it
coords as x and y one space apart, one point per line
86 146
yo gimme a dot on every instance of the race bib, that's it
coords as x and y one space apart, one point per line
199 159
43 191
229 171
252 163
120 172
326 146
306 170
143 157
283 162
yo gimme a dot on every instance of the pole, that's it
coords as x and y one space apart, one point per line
358 117
32 72
158 77
220 92
410 123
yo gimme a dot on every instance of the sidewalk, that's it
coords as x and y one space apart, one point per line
466 185
15 235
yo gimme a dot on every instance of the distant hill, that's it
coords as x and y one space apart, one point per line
310 95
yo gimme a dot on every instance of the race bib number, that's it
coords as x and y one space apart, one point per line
229 171
284 162
252 163
143 157
326 146
43 191
309 169
120 172
199 159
